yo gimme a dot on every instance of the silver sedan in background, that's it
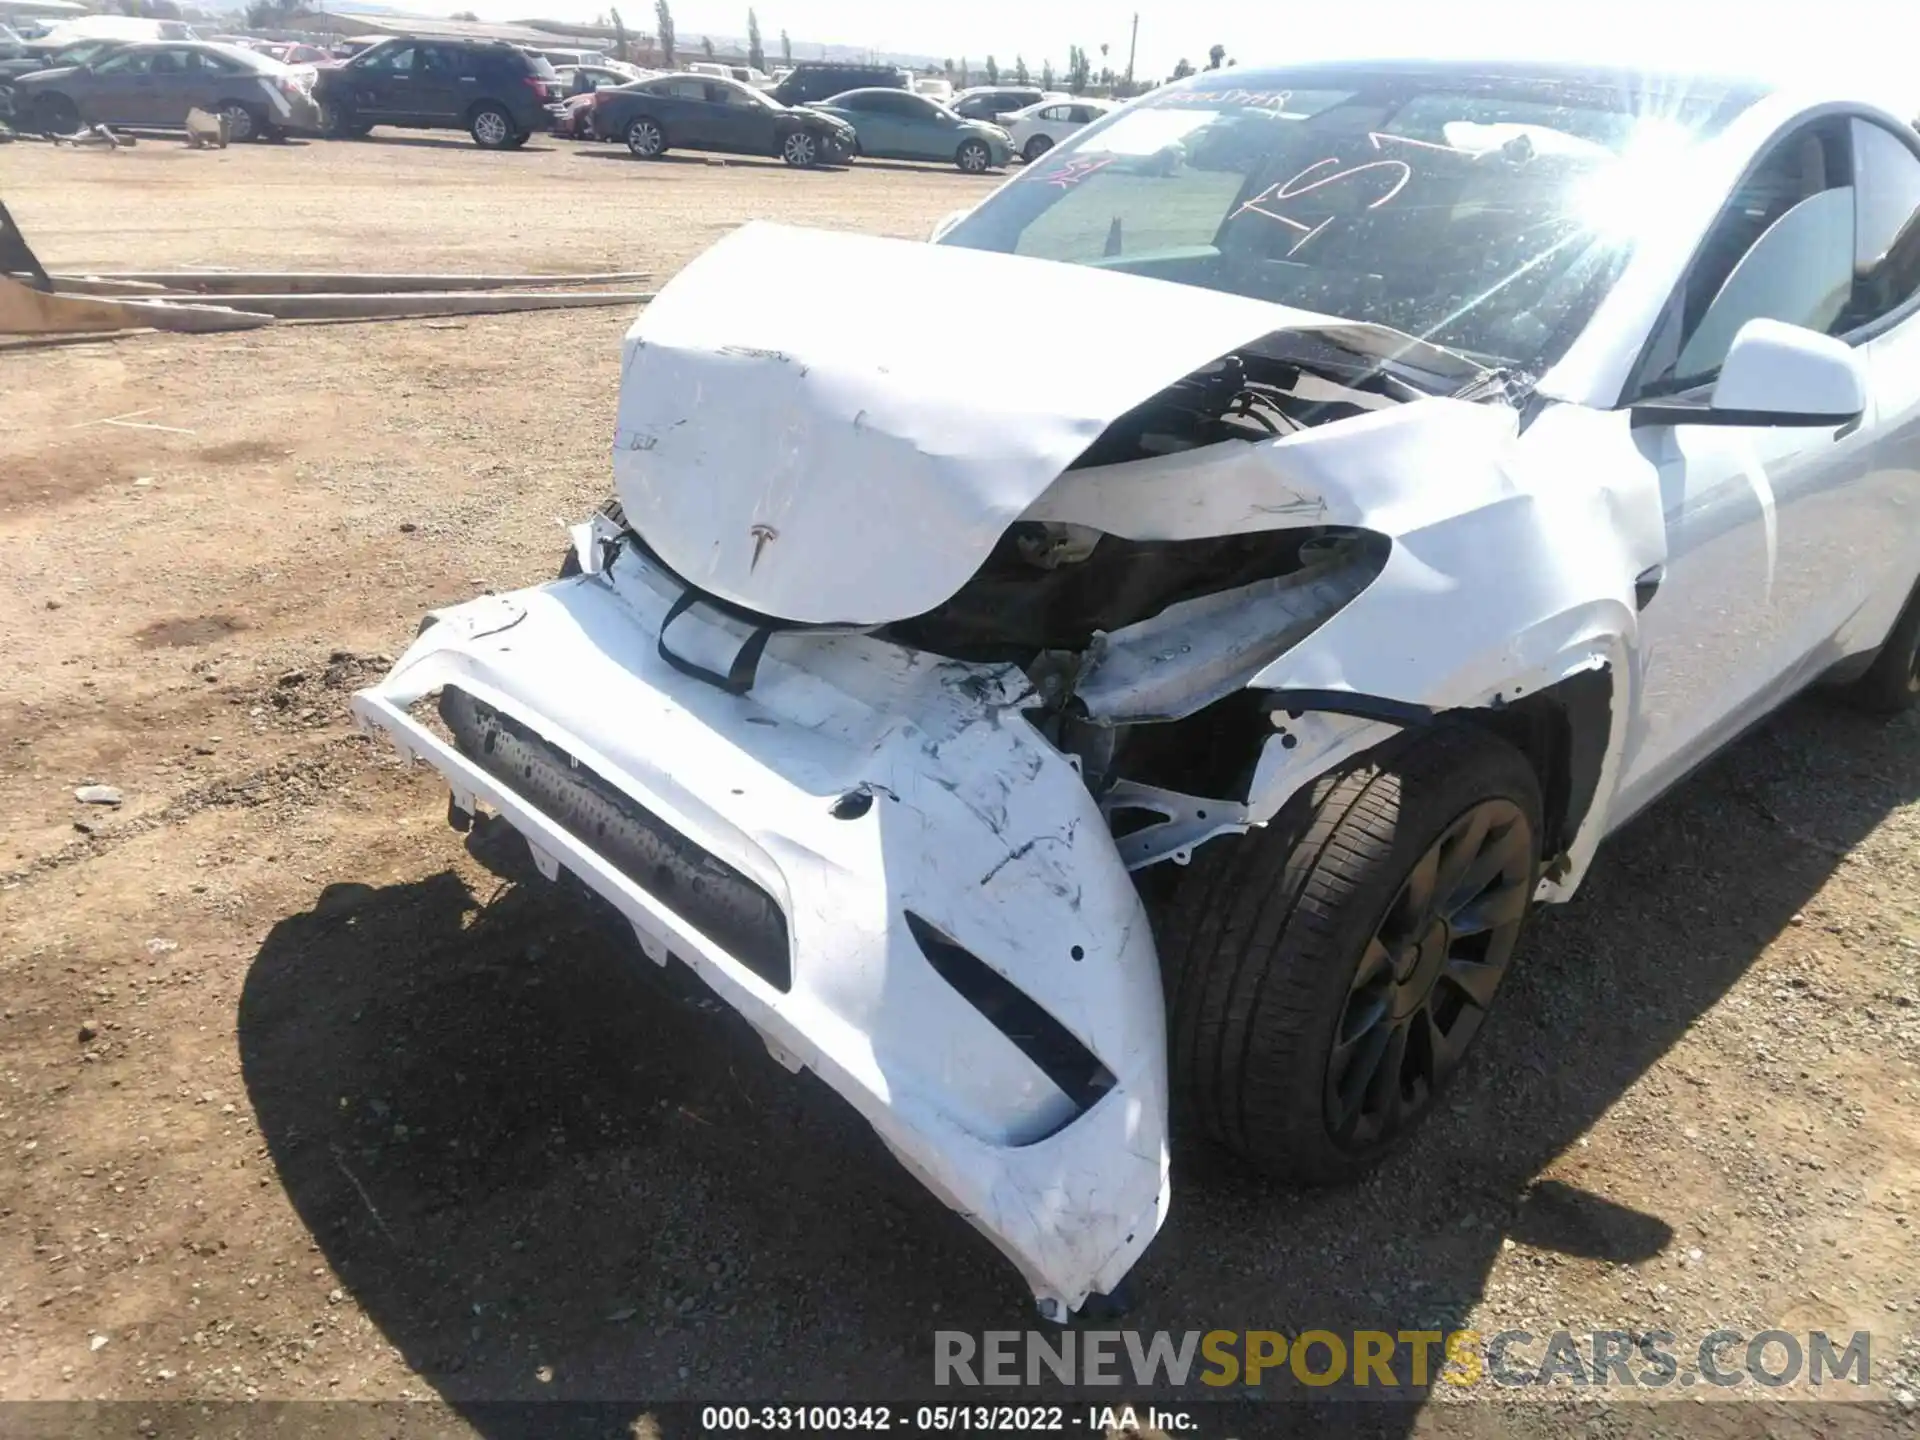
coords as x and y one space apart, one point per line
156 84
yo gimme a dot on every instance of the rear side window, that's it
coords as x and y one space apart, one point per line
1887 238
211 62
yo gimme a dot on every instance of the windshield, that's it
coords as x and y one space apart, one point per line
1483 213
83 52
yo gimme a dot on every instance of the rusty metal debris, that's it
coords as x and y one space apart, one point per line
99 136
35 301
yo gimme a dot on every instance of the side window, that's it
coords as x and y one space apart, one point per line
1886 178
128 62
206 62
1080 114
1782 249
734 96
395 60
688 90
436 60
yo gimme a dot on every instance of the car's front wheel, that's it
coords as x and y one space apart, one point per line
801 149
1327 974
492 128
974 157
646 139
1036 147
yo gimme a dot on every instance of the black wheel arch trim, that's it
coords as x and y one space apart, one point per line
1563 729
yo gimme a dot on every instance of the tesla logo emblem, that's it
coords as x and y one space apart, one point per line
762 535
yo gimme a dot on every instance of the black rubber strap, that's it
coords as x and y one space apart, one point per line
746 661
1342 702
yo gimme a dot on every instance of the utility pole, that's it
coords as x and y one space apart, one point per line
1132 45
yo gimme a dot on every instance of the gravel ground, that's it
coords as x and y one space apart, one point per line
301 1100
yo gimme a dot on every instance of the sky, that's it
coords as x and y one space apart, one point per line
1736 33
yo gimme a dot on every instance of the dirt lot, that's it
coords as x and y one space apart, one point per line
300 1101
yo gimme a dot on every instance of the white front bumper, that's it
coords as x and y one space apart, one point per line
976 825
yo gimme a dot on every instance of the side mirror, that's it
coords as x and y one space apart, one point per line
947 222
1774 374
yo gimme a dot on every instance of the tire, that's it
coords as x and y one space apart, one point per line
974 157
1036 147
612 509
343 124
1314 928
801 149
1891 685
56 115
645 138
491 126
244 122
519 140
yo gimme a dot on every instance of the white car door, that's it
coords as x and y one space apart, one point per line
1755 584
1878 539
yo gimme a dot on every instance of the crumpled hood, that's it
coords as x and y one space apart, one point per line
831 427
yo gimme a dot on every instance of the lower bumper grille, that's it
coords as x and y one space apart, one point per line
725 905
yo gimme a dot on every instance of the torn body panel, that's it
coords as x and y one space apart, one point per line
976 828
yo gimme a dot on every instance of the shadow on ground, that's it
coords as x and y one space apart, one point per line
697 157
529 1153
453 138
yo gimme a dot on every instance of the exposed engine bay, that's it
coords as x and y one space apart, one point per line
1060 599
1053 586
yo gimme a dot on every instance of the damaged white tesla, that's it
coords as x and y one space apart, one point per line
1448 459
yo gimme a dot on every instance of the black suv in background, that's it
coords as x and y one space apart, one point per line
496 92
822 79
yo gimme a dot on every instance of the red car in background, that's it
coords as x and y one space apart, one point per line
293 52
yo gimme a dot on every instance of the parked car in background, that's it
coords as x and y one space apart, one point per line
575 118
37 56
296 52
1038 128
498 93
118 27
156 84
578 80
934 88
700 112
989 102
821 80
560 57
900 125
